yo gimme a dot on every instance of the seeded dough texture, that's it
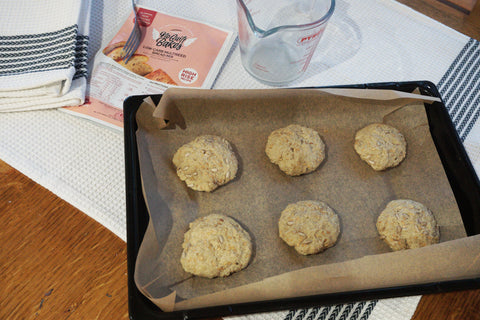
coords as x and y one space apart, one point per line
215 246
380 145
206 163
406 224
309 226
295 149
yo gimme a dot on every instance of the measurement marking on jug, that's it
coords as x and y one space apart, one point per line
260 67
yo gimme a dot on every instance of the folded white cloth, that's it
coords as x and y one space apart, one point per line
43 53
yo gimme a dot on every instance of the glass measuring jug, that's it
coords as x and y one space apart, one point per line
278 37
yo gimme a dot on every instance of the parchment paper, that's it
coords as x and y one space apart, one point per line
256 197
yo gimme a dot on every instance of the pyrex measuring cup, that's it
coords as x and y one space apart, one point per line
279 37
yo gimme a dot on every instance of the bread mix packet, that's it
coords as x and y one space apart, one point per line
174 51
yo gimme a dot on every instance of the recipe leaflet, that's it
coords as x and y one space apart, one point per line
174 52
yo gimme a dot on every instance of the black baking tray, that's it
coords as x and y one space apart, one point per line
461 175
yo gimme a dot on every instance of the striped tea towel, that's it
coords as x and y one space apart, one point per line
43 53
460 90
391 309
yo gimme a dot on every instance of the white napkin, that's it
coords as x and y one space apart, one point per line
43 53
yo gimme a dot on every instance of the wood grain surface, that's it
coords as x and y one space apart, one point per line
57 263
465 6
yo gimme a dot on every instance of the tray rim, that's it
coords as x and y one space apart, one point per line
141 308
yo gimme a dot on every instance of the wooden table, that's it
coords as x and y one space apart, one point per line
57 263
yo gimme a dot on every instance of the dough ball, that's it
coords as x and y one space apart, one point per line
380 145
295 149
215 246
406 224
206 163
309 226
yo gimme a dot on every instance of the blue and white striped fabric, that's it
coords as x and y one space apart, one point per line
43 58
400 308
350 311
460 88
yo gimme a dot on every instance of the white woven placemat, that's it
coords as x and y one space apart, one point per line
366 41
